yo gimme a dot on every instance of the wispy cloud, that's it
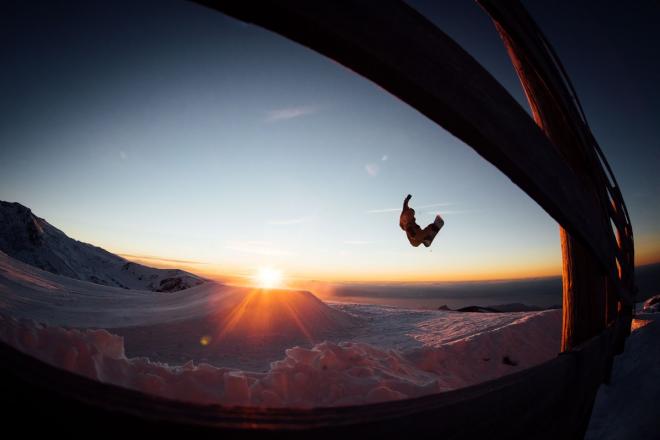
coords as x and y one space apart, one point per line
289 221
256 247
165 260
455 211
283 114
384 158
372 169
432 205
379 211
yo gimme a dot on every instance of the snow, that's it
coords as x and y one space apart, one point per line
626 408
326 374
34 241
214 343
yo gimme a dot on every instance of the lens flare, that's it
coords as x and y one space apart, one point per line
268 278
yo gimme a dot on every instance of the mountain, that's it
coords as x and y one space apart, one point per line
501 308
34 241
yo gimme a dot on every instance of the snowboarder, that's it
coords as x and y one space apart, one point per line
417 235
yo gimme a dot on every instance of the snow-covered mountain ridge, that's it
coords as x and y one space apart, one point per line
34 241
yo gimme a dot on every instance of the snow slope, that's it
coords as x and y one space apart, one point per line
34 241
238 346
243 327
626 407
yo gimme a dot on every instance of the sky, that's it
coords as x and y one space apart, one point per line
181 137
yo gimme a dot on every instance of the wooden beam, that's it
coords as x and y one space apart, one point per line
584 294
556 110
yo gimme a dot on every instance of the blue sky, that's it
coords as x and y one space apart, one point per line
182 134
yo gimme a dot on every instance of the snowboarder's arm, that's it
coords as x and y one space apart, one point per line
405 202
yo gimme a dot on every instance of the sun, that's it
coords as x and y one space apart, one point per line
268 278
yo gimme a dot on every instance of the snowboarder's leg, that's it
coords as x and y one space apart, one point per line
414 242
439 222
415 235
429 232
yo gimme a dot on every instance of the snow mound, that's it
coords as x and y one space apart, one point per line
527 341
279 313
34 241
327 374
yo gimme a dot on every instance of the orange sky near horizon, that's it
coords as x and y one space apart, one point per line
647 252
293 276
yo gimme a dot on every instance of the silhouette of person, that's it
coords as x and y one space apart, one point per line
417 235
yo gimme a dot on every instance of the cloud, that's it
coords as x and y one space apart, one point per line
123 155
289 221
165 260
455 211
432 205
385 157
283 114
379 211
372 169
256 247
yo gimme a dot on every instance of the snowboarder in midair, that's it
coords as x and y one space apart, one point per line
417 235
